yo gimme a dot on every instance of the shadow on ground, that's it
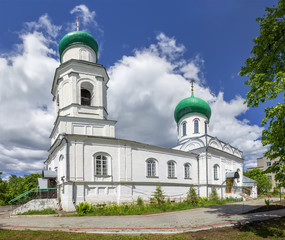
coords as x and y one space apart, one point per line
265 229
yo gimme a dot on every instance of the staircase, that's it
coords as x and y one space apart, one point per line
245 197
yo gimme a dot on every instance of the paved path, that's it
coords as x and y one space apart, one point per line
171 222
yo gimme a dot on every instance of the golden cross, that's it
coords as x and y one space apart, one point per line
77 24
192 87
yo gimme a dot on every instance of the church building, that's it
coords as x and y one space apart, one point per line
90 164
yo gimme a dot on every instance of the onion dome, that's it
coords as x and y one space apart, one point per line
192 105
77 37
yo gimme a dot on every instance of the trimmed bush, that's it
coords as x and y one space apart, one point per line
192 197
214 195
139 201
158 197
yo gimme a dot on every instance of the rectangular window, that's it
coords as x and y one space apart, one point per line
268 164
101 165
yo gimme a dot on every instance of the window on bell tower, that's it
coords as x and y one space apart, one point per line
196 126
184 129
85 97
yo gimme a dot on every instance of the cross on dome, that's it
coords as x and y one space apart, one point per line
192 87
77 24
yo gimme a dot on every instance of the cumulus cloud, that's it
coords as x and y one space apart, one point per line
86 19
25 102
44 24
146 87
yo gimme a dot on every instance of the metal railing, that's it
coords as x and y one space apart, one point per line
36 193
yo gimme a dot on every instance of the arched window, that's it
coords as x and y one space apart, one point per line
83 55
184 129
151 167
187 170
216 171
101 165
196 126
171 169
206 130
85 97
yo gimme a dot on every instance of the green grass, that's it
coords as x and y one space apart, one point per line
271 229
40 212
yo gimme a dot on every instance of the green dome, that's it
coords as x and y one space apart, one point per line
77 37
192 105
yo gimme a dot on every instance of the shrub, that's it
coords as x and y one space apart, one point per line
276 191
158 196
84 208
139 201
267 202
214 195
192 197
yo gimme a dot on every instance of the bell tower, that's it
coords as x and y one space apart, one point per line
80 89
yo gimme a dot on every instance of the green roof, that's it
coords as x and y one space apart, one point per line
192 105
77 37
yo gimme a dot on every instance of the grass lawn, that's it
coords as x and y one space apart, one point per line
271 229
39 212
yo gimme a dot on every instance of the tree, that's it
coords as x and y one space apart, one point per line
214 195
192 197
3 191
266 77
16 186
264 183
159 196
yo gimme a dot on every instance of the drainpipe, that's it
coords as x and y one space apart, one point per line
67 169
198 176
207 177
67 159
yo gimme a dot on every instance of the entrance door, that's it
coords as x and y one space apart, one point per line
229 185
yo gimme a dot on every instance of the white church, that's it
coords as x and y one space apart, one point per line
88 163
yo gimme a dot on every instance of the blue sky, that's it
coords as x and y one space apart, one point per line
206 40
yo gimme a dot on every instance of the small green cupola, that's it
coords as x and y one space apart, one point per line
192 105
77 37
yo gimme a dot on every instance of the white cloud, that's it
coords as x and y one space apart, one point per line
86 19
145 89
44 24
25 102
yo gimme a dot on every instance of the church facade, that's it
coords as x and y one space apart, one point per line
90 164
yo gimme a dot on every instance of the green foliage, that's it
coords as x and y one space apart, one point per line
158 197
214 195
267 202
276 191
266 77
264 183
47 211
139 201
3 191
192 197
135 209
84 208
